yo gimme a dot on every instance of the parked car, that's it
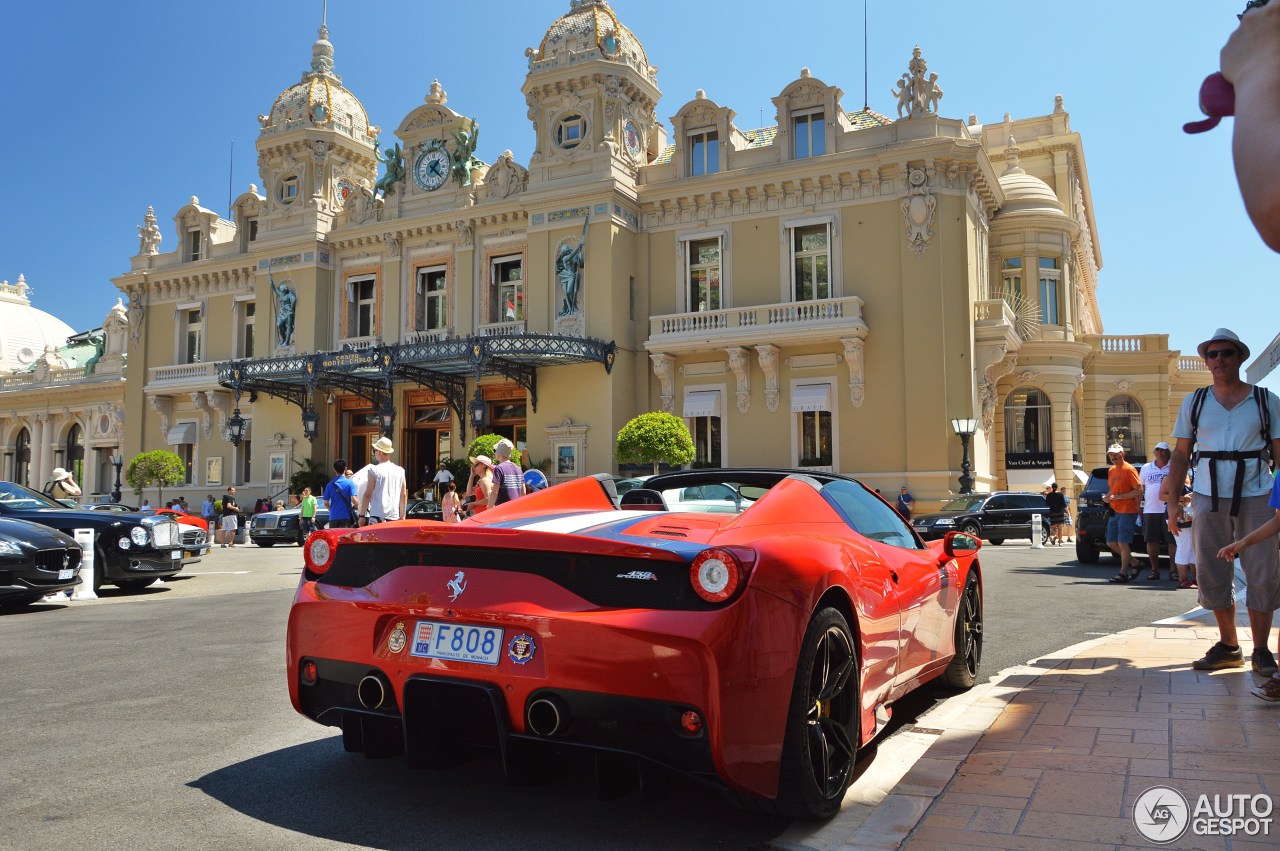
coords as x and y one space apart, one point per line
1091 523
284 526
995 517
34 561
130 550
755 651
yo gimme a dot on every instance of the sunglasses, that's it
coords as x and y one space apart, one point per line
1231 351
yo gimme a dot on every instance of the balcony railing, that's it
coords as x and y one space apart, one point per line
1132 343
766 320
994 310
359 344
56 376
1192 363
427 336
500 329
183 373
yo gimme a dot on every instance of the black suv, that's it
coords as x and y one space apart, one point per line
1091 522
993 516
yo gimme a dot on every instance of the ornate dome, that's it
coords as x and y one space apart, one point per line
24 330
589 30
1025 193
319 100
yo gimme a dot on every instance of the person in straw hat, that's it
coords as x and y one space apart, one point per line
62 485
387 494
1231 426
481 479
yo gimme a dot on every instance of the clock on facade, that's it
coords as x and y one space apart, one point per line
631 137
431 168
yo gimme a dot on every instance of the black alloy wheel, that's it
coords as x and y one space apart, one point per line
972 530
820 745
963 670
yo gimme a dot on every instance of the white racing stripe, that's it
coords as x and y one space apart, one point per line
574 523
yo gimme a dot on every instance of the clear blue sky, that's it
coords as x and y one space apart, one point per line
112 107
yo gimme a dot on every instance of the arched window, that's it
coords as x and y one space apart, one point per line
1124 426
1028 428
75 453
22 458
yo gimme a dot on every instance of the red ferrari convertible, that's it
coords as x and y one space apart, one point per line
748 628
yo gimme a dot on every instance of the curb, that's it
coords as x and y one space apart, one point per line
887 802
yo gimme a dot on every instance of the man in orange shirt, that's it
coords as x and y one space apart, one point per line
1124 490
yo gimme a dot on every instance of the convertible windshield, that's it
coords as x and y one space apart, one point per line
17 497
965 503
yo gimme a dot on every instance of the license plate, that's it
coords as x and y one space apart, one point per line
66 574
176 554
457 642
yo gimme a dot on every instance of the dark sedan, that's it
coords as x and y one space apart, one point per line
130 550
34 561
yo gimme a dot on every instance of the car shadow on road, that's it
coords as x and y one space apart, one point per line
317 789
1092 574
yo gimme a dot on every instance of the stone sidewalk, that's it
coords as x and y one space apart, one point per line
1055 753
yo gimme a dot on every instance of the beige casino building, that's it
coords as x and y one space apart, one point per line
830 291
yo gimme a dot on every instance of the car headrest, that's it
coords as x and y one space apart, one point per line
643 499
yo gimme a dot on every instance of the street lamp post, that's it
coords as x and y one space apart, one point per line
117 461
964 429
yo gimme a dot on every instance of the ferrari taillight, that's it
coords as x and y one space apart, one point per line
319 549
715 574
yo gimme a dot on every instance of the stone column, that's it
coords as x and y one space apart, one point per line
36 468
1061 389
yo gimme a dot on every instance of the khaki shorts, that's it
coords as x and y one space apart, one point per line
1261 564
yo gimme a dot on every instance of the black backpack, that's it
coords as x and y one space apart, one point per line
1261 398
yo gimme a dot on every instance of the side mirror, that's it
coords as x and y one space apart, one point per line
960 544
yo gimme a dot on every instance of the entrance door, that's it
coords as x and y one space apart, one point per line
428 442
360 429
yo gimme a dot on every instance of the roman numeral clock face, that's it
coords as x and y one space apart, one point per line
431 169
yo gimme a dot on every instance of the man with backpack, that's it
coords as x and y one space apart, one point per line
1227 431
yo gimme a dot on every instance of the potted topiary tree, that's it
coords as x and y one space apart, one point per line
158 468
655 438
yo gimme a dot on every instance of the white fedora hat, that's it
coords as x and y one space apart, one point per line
1224 335
383 444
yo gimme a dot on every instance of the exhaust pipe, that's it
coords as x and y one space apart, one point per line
547 716
371 692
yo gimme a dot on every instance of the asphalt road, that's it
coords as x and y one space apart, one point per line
161 720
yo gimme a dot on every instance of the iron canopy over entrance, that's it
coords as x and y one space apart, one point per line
440 365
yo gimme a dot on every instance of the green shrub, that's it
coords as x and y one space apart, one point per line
655 438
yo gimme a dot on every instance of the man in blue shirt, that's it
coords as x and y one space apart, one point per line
905 501
340 495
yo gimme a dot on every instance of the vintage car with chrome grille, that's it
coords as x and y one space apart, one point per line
754 642
34 561
130 550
